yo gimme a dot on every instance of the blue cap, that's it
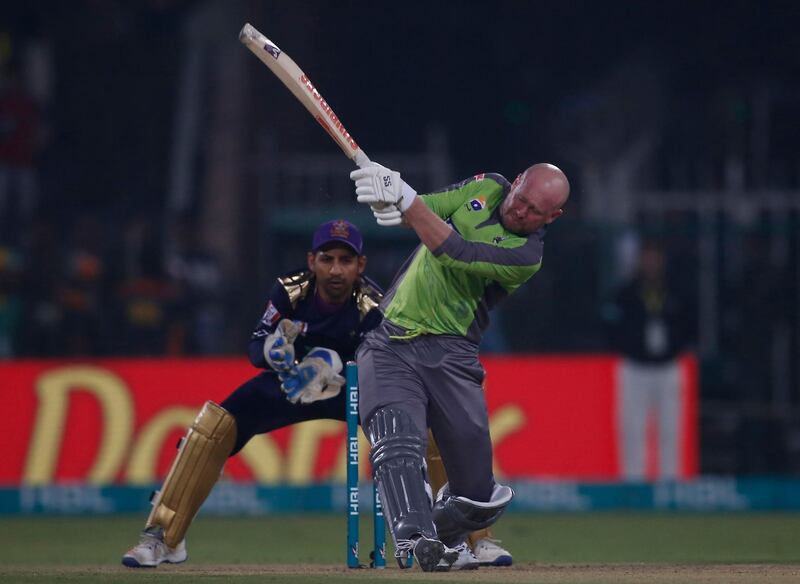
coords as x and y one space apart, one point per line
340 231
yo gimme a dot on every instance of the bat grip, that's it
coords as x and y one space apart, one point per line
361 159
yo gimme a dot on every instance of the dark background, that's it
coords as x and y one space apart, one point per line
674 121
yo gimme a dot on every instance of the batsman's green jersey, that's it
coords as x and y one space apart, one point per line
450 291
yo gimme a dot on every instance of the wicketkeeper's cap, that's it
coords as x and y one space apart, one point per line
340 231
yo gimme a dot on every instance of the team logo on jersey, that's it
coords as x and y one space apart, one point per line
271 315
499 238
478 204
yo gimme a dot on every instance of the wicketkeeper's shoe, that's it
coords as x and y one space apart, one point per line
466 560
489 553
152 551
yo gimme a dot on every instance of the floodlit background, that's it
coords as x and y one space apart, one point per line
155 177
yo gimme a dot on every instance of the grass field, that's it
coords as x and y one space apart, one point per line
547 548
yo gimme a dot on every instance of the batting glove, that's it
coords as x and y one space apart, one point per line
387 215
377 184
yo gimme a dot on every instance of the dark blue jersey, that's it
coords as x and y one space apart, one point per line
336 327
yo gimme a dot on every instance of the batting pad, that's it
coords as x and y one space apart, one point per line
396 457
198 465
455 517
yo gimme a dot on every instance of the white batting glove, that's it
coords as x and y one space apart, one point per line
386 215
377 184
279 346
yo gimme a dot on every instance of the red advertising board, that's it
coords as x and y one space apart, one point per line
118 420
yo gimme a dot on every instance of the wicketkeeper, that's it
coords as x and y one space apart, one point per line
313 321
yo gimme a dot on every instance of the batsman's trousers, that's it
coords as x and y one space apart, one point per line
437 381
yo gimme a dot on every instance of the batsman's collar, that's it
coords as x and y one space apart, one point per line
340 231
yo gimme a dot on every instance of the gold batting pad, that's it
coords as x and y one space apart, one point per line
476 536
196 469
437 476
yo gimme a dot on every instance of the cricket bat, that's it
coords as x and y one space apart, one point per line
300 85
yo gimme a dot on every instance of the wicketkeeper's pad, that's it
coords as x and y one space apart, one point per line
197 467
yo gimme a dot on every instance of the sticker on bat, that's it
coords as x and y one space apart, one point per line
272 50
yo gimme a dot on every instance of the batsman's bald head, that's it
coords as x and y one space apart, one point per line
549 183
536 198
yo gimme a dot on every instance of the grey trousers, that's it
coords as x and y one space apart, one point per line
437 380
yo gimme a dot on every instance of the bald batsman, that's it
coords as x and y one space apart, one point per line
481 239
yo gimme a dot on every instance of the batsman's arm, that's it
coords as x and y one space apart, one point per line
446 201
443 203
429 227
426 215
511 263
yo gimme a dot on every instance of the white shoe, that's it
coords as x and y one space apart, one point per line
466 560
489 553
152 551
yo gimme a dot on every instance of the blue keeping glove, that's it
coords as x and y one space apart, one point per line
279 346
315 378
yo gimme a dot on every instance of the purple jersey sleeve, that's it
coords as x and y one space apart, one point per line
278 307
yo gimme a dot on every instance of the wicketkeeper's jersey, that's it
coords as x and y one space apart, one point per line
451 290
335 327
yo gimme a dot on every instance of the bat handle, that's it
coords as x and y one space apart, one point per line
361 159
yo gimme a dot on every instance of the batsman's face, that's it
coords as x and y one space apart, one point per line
336 269
532 202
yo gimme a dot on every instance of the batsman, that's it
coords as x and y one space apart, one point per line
481 239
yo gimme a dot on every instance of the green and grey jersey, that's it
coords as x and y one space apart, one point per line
450 291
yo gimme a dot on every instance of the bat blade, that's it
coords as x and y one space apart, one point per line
303 89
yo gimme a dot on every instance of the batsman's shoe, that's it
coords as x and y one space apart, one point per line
489 553
427 551
152 551
465 560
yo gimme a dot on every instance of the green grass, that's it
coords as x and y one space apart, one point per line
240 549
320 539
